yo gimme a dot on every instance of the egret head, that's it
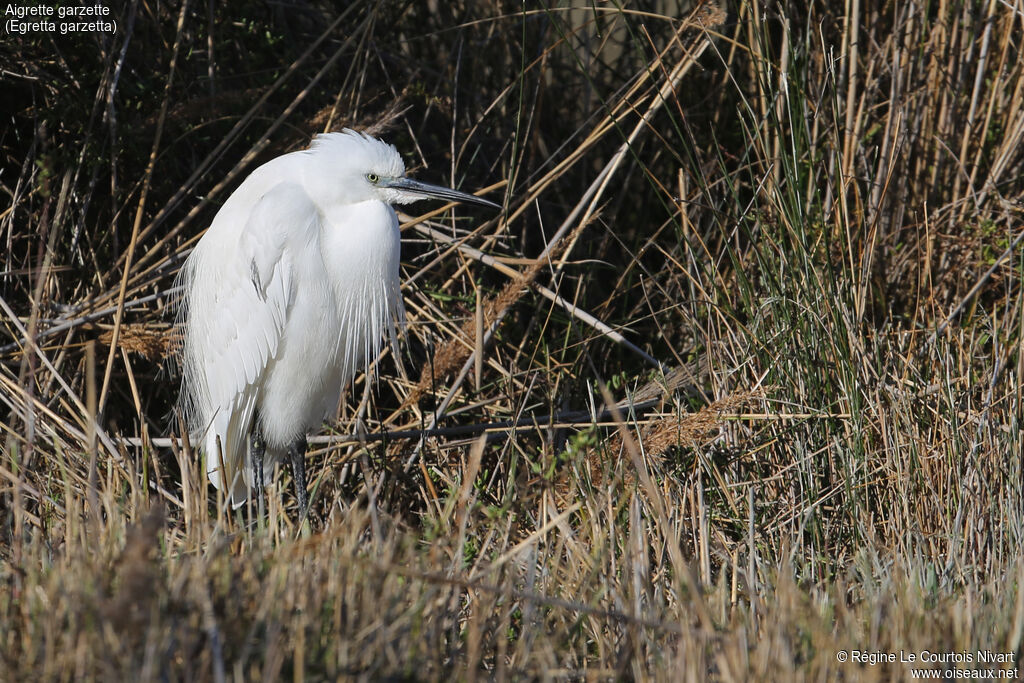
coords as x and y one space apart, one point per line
350 167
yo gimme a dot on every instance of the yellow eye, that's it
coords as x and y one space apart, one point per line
373 178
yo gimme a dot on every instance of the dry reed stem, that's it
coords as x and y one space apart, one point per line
457 350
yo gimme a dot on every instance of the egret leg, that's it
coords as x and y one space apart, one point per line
297 454
257 449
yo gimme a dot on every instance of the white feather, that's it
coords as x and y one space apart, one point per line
289 295
274 297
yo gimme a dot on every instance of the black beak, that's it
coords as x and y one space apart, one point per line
428 191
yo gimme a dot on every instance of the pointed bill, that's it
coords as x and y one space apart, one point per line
428 191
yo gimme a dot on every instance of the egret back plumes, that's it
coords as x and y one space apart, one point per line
287 297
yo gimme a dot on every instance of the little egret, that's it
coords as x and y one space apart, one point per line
287 297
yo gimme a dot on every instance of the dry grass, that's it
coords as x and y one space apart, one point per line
732 385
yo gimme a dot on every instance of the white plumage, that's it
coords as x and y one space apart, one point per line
287 297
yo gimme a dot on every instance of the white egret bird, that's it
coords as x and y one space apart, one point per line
287 297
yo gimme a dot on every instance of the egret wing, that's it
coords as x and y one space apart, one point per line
237 325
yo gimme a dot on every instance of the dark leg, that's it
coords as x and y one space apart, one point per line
257 448
297 453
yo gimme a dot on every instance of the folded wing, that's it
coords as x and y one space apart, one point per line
239 290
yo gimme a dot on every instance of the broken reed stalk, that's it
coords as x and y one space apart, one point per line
459 349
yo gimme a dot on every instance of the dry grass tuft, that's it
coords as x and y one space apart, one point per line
152 342
694 428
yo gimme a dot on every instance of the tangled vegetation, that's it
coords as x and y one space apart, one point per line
730 390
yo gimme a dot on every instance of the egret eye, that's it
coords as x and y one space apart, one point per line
373 178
